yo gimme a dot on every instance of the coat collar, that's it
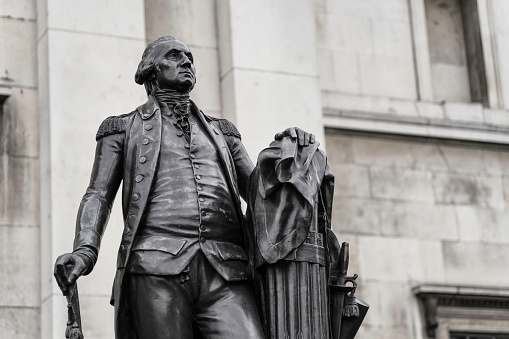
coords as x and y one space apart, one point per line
149 108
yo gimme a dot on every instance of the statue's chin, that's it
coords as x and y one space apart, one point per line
186 89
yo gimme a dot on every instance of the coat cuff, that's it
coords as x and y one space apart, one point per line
86 243
88 256
87 237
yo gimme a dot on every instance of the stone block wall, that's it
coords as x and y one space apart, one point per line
363 45
418 211
19 173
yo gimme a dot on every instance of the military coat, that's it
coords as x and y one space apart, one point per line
127 152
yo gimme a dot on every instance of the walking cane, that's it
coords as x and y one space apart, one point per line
73 330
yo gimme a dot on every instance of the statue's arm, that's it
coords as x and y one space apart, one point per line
95 206
94 210
243 164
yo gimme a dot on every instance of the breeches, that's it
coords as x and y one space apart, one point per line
166 306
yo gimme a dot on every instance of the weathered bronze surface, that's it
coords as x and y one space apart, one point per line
189 263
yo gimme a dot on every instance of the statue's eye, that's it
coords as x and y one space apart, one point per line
172 56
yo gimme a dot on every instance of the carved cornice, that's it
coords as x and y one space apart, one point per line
434 296
465 301
415 126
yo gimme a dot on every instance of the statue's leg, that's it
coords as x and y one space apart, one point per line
161 307
225 309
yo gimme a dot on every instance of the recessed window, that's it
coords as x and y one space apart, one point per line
4 94
456 56
464 312
478 336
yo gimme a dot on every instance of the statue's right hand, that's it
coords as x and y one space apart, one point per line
68 267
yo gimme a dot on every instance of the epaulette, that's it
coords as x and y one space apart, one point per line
111 125
228 128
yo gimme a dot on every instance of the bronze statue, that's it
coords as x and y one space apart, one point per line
187 258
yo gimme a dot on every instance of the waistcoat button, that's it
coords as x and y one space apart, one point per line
143 159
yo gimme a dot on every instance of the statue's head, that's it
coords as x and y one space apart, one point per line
166 64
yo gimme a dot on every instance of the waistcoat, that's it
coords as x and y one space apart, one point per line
189 194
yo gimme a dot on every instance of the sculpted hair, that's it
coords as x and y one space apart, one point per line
145 73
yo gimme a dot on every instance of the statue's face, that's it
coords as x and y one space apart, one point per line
174 67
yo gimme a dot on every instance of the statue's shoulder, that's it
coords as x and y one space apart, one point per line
226 126
114 125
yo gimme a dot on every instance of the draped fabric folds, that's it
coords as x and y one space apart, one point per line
289 207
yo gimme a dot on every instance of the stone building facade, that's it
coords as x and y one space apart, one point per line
409 97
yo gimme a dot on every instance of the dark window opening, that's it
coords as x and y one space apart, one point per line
456 55
2 132
478 336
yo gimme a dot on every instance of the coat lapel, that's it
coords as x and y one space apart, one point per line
222 150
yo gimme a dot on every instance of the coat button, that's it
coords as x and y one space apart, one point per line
198 177
215 131
136 196
145 141
143 160
126 230
179 134
203 228
199 188
148 127
121 249
201 199
139 178
196 166
186 145
203 240
192 156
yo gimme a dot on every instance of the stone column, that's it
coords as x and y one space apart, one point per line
87 56
268 67
496 12
19 172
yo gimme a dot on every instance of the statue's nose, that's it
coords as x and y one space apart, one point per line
186 61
